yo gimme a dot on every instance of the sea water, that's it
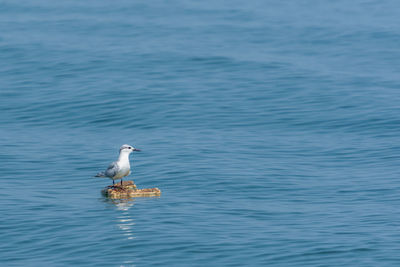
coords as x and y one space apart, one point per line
271 127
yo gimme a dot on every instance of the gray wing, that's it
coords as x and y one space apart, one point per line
112 170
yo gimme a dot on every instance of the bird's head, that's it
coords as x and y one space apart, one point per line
128 149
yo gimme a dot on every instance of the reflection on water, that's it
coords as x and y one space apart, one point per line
124 221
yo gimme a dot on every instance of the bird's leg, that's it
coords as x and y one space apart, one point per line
113 183
121 182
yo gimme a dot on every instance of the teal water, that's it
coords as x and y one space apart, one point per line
271 128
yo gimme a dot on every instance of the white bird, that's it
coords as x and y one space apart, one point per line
120 168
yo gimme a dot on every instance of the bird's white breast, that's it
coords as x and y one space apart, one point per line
124 169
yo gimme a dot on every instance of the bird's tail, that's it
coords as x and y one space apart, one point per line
100 174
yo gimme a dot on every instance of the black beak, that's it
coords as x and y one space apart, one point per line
135 149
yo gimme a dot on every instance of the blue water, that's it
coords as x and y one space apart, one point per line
271 127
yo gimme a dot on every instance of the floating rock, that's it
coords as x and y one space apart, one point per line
128 189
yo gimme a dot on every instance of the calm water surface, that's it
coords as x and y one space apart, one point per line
271 128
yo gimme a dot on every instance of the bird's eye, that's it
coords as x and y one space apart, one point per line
130 147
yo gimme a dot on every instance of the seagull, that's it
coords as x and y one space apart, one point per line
120 168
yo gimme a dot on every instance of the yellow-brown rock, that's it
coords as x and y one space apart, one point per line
129 190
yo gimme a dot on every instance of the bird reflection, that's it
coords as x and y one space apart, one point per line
125 222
